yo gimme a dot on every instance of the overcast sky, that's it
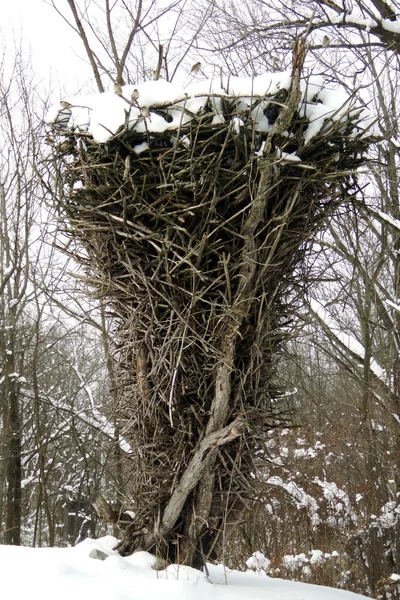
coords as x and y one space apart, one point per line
54 46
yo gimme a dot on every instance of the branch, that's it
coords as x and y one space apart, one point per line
384 9
121 65
195 469
112 43
85 41
159 63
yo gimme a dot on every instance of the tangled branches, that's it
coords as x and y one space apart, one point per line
193 238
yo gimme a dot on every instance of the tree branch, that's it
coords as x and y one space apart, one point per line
192 475
85 41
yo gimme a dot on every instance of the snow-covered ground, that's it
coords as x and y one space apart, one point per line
71 574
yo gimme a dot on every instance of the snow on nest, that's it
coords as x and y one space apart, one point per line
66 573
160 106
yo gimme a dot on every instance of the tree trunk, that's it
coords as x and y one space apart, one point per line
12 533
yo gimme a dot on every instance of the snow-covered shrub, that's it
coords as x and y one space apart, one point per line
258 562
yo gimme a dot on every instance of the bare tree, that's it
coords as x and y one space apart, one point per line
17 198
52 389
125 42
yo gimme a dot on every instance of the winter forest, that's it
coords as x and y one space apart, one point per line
200 287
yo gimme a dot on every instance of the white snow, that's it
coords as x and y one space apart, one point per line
312 87
290 157
261 122
258 562
8 271
389 219
393 26
305 453
317 115
346 339
392 304
292 562
301 498
159 106
262 85
390 515
237 124
354 20
69 573
95 419
151 92
139 148
317 557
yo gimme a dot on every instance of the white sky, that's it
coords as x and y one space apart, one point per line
53 44
56 49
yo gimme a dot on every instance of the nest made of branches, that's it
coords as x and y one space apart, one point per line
172 251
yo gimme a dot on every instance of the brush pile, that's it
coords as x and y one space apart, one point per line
195 213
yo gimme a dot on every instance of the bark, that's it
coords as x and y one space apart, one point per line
12 533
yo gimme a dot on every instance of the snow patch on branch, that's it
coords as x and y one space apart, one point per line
302 499
350 19
389 219
347 340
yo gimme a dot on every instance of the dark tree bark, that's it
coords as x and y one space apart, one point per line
12 434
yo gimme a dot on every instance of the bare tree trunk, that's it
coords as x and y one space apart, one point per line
12 533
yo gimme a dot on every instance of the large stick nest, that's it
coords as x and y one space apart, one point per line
171 251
